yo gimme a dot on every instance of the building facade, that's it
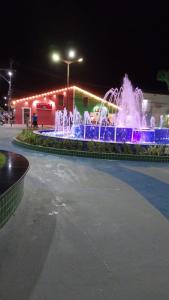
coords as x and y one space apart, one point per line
46 104
157 105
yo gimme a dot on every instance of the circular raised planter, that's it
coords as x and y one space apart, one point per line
12 172
112 156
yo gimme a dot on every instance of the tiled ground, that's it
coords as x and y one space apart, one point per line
87 229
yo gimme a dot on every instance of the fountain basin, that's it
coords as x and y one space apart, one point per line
112 134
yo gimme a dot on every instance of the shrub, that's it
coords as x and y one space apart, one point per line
112 148
58 144
99 147
27 136
103 147
156 150
108 147
64 144
79 145
90 146
126 149
74 145
118 148
162 150
2 160
138 149
45 142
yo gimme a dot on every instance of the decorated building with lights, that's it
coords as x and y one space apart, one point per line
46 104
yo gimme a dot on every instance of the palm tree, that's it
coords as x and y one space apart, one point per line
163 75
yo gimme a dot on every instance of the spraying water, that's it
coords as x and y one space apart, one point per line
130 113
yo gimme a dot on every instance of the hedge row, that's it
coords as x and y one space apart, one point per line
102 150
29 137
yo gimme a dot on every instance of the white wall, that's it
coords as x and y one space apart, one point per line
157 104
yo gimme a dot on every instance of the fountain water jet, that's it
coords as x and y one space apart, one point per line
130 113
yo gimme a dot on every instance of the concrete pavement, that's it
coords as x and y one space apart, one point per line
86 229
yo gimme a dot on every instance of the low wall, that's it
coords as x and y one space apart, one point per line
12 175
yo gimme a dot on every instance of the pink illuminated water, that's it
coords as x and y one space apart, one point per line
130 105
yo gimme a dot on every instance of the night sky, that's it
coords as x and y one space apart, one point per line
114 39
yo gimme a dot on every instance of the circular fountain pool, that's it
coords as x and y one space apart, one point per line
112 134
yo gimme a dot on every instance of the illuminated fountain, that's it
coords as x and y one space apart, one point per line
129 124
129 101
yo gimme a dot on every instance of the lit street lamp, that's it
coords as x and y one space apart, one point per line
9 90
9 81
71 59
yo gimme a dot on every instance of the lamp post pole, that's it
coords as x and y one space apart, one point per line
9 92
68 78
9 81
68 73
10 86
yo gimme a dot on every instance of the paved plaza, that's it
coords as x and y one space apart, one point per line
86 229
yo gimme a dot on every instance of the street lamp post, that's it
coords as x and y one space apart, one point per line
9 91
9 81
68 75
72 59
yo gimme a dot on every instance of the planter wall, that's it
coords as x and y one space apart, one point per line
10 200
112 156
12 174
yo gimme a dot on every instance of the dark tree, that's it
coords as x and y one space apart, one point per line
163 75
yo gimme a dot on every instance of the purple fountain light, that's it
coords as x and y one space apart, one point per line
130 113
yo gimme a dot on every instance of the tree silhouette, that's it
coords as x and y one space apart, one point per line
163 75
